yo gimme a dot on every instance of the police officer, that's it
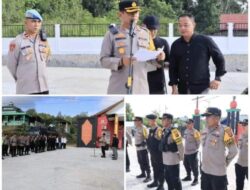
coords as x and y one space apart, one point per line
13 145
115 51
128 142
141 136
241 166
28 56
192 144
153 141
6 143
172 152
156 79
215 139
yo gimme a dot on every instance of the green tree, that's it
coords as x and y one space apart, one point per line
207 16
233 6
32 112
129 112
99 7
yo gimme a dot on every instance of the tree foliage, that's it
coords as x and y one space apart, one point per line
129 112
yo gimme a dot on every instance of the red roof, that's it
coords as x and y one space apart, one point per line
240 21
235 18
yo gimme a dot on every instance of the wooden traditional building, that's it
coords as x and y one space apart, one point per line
109 121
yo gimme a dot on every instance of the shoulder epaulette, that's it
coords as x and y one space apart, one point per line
113 29
176 135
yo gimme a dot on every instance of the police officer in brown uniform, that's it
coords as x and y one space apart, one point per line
141 136
241 166
116 49
153 141
13 145
172 152
192 144
215 139
28 56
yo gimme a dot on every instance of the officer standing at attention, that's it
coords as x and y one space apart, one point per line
192 144
215 139
28 56
172 152
241 166
115 51
153 141
156 79
141 136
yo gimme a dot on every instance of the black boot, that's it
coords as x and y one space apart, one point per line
154 184
148 178
195 182
188 178
160 187
142 175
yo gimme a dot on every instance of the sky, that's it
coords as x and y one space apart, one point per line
183 105
67 105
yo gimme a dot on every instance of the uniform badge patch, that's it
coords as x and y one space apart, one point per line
12 46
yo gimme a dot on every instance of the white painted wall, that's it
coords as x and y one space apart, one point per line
92 45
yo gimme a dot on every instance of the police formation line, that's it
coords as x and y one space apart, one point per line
20 145
166 148
188 60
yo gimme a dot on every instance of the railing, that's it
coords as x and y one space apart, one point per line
13 30
94 30
240 29
83 30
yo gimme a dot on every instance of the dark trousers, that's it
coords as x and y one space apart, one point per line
191 164
241 174
13 150
127 159
5 150
103 151
158 167
172 176
27 149
212 182
142 156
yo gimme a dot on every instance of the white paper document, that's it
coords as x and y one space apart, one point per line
146 55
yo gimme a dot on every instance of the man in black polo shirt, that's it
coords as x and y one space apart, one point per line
189 60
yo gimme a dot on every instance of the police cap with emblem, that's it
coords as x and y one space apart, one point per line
151 22
189 121
167 116
137 118
33 14
151 116
244 122
129 6
212 111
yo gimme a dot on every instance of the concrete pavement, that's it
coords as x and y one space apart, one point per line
80 81
67 169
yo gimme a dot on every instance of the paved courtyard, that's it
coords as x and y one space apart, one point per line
70 169
68 80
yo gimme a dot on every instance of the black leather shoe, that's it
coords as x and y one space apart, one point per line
195 182
188 178
148 178
151 185
127 170
141 176
160 187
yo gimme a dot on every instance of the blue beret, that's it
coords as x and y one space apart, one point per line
151 116
33 14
